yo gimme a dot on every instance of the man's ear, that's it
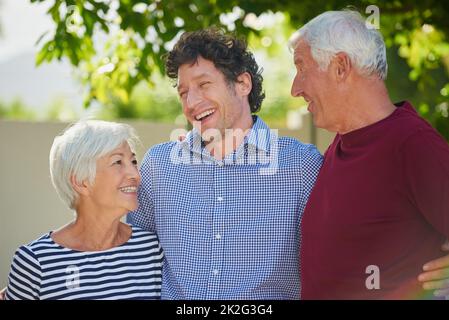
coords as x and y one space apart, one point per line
244 84
82 188
342 66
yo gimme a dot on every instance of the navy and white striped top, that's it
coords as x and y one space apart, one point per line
45 270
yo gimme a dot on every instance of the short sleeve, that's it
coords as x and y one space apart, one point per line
24 277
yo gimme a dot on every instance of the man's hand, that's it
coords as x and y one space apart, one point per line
2 294
436 274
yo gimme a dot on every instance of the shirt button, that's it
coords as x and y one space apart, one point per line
215 272
220 199
220 164
218 236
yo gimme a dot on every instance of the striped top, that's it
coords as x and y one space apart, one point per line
45 270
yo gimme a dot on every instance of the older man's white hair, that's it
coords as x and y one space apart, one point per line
344 31
76 151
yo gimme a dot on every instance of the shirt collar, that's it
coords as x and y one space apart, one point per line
259 136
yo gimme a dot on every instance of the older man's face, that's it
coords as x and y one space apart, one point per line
314 85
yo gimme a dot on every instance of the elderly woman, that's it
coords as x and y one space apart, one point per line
94 170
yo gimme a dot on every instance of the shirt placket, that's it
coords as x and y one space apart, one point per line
218 221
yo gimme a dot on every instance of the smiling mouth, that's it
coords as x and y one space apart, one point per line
310 107
204 115
128 189
309 104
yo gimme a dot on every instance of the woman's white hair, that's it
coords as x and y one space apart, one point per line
344 31
76 151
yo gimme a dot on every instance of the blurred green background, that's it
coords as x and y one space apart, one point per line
115 49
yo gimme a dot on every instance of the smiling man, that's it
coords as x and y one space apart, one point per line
380 208
229 229
217 109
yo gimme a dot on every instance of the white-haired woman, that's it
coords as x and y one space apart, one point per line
94 170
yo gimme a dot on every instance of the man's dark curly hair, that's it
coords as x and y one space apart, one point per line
227 52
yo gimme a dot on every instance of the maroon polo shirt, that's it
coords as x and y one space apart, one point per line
382 199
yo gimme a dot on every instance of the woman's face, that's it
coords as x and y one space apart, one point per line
116 181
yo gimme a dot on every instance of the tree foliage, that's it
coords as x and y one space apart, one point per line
116 44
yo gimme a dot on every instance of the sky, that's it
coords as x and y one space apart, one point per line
21 25
22 22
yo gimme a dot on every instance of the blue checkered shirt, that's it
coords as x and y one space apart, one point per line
229 229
